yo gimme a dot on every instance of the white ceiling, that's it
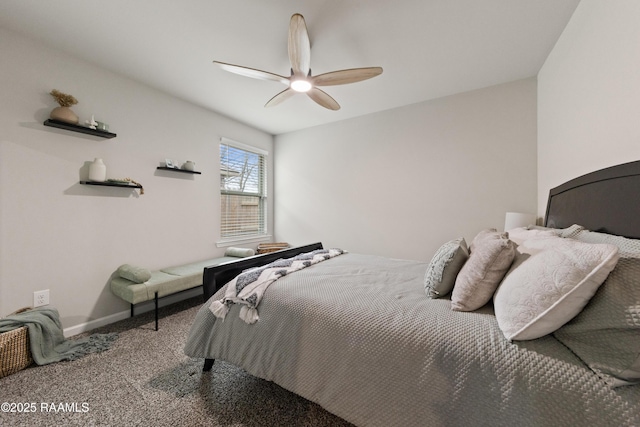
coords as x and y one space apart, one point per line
428 48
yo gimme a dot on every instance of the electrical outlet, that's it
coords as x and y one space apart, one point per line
41 298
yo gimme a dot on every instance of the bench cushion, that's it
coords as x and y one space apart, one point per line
166 281
196 267
135 293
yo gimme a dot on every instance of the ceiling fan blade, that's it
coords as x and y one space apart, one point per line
342 77
282 96
323 99
252 72
299 46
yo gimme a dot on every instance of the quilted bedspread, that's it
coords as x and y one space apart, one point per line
357 335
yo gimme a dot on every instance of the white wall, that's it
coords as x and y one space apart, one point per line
57 234
402 182
589 95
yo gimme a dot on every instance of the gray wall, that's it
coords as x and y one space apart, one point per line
401 182
589 95
57 234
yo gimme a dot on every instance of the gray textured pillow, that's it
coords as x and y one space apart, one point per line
444 268
491 256
133 273
606 334
550 282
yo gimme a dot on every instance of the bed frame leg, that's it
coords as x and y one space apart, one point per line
208 364
156 302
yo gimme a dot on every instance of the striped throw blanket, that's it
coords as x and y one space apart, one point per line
249 287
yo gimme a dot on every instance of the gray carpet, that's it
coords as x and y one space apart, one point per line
146 380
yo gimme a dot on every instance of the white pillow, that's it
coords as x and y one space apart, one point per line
520 234
549 283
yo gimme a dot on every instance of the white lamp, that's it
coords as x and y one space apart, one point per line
515 219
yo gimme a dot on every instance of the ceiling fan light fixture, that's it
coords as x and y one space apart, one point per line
301 80
300 85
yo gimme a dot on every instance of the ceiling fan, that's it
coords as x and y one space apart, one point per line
301 80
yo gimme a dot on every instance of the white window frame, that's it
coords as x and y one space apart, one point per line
261 197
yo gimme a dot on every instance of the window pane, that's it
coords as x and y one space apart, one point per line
240 170
242 195
241 215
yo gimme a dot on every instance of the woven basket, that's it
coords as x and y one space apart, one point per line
264 248
15 353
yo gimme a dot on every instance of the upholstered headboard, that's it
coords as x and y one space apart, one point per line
607 200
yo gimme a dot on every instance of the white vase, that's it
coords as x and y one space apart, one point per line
189 166
97 171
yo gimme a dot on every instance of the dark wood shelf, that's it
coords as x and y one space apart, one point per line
111 184
164 168
77 128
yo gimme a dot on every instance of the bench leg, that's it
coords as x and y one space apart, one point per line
156 302
208 364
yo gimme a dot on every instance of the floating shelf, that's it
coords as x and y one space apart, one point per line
77 128
164 168
111 184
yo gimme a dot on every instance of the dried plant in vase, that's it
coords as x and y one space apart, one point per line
63 113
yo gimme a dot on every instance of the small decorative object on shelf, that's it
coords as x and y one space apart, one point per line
92 124
63 113
102 126
129 182
97 171
189 166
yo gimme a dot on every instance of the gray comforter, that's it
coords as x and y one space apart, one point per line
357 335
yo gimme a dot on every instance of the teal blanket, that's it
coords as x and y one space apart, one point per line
47 341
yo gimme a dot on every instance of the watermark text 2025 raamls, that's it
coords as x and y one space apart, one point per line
53 407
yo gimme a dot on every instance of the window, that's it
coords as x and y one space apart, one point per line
242 191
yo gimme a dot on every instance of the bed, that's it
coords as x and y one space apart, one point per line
358 335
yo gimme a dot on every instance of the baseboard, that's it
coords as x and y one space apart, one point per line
96 323
140 308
